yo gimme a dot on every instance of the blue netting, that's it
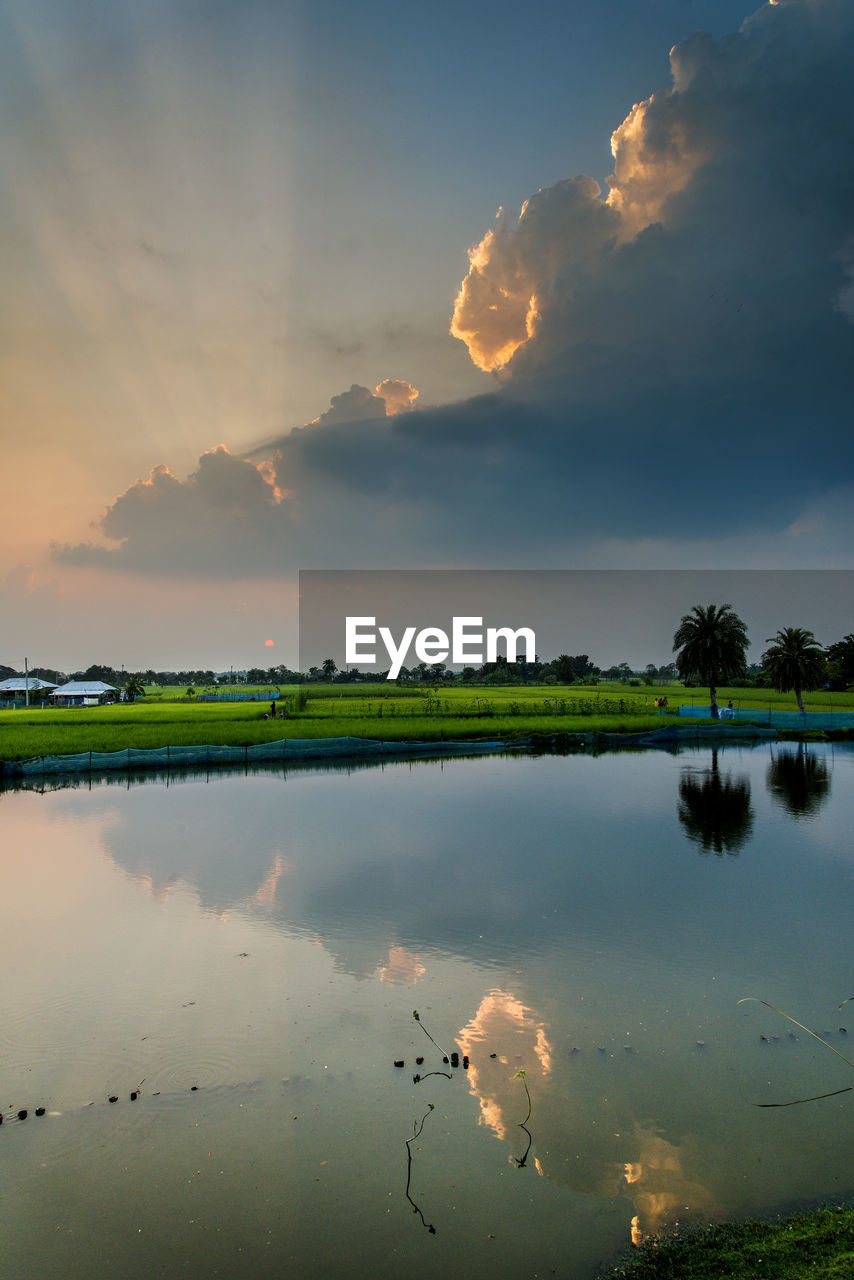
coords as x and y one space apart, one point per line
777 719
285 749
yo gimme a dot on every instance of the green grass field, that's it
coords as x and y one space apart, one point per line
168 717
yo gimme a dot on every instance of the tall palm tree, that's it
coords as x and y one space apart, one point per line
711 641
795 661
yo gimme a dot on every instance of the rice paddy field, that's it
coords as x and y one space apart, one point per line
166 716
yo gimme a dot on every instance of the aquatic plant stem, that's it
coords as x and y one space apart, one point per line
417 1018
416 1133
817 1096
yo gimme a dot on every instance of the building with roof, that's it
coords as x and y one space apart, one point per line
16 689
84 693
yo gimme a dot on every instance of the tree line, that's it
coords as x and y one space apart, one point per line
709 645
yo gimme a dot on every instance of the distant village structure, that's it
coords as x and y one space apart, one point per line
18 689
85 693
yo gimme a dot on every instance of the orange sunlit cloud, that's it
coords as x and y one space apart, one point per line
266 891
510 1029
398 395
659 1185
267 469
498 308
402 968
495 310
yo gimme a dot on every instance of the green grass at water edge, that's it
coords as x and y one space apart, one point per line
373 711
26 742
819 1245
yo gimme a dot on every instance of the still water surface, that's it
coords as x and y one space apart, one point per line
246 953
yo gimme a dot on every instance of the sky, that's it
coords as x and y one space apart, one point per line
330 286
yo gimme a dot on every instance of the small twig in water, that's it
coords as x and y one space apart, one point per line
416 1133
520 1075
417 1018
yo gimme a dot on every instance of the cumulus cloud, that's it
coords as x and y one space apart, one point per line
397 394
728 212
675 353
227 515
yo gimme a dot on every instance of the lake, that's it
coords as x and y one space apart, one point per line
237 960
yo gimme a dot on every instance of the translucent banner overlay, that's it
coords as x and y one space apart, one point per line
380 620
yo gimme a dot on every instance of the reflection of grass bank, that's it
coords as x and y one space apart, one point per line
819 1245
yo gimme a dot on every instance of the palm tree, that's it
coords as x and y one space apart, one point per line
795 661
329 667
711 643
134 688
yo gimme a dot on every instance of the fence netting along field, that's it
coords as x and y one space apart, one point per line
284 750
798 720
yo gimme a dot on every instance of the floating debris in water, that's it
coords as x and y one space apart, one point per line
40 1111
399 1062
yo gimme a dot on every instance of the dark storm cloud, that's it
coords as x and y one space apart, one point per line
673 360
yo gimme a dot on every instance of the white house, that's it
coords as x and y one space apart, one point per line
15 688
84 693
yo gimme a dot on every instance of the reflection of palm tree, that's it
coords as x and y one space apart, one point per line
715 812
794 661
799 780
711 640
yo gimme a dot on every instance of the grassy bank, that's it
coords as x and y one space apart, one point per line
168 717
818 1245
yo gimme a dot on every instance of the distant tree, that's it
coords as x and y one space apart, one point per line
582 667
711 641
794 662
329 667
563 668
191 693
107 675
840 663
